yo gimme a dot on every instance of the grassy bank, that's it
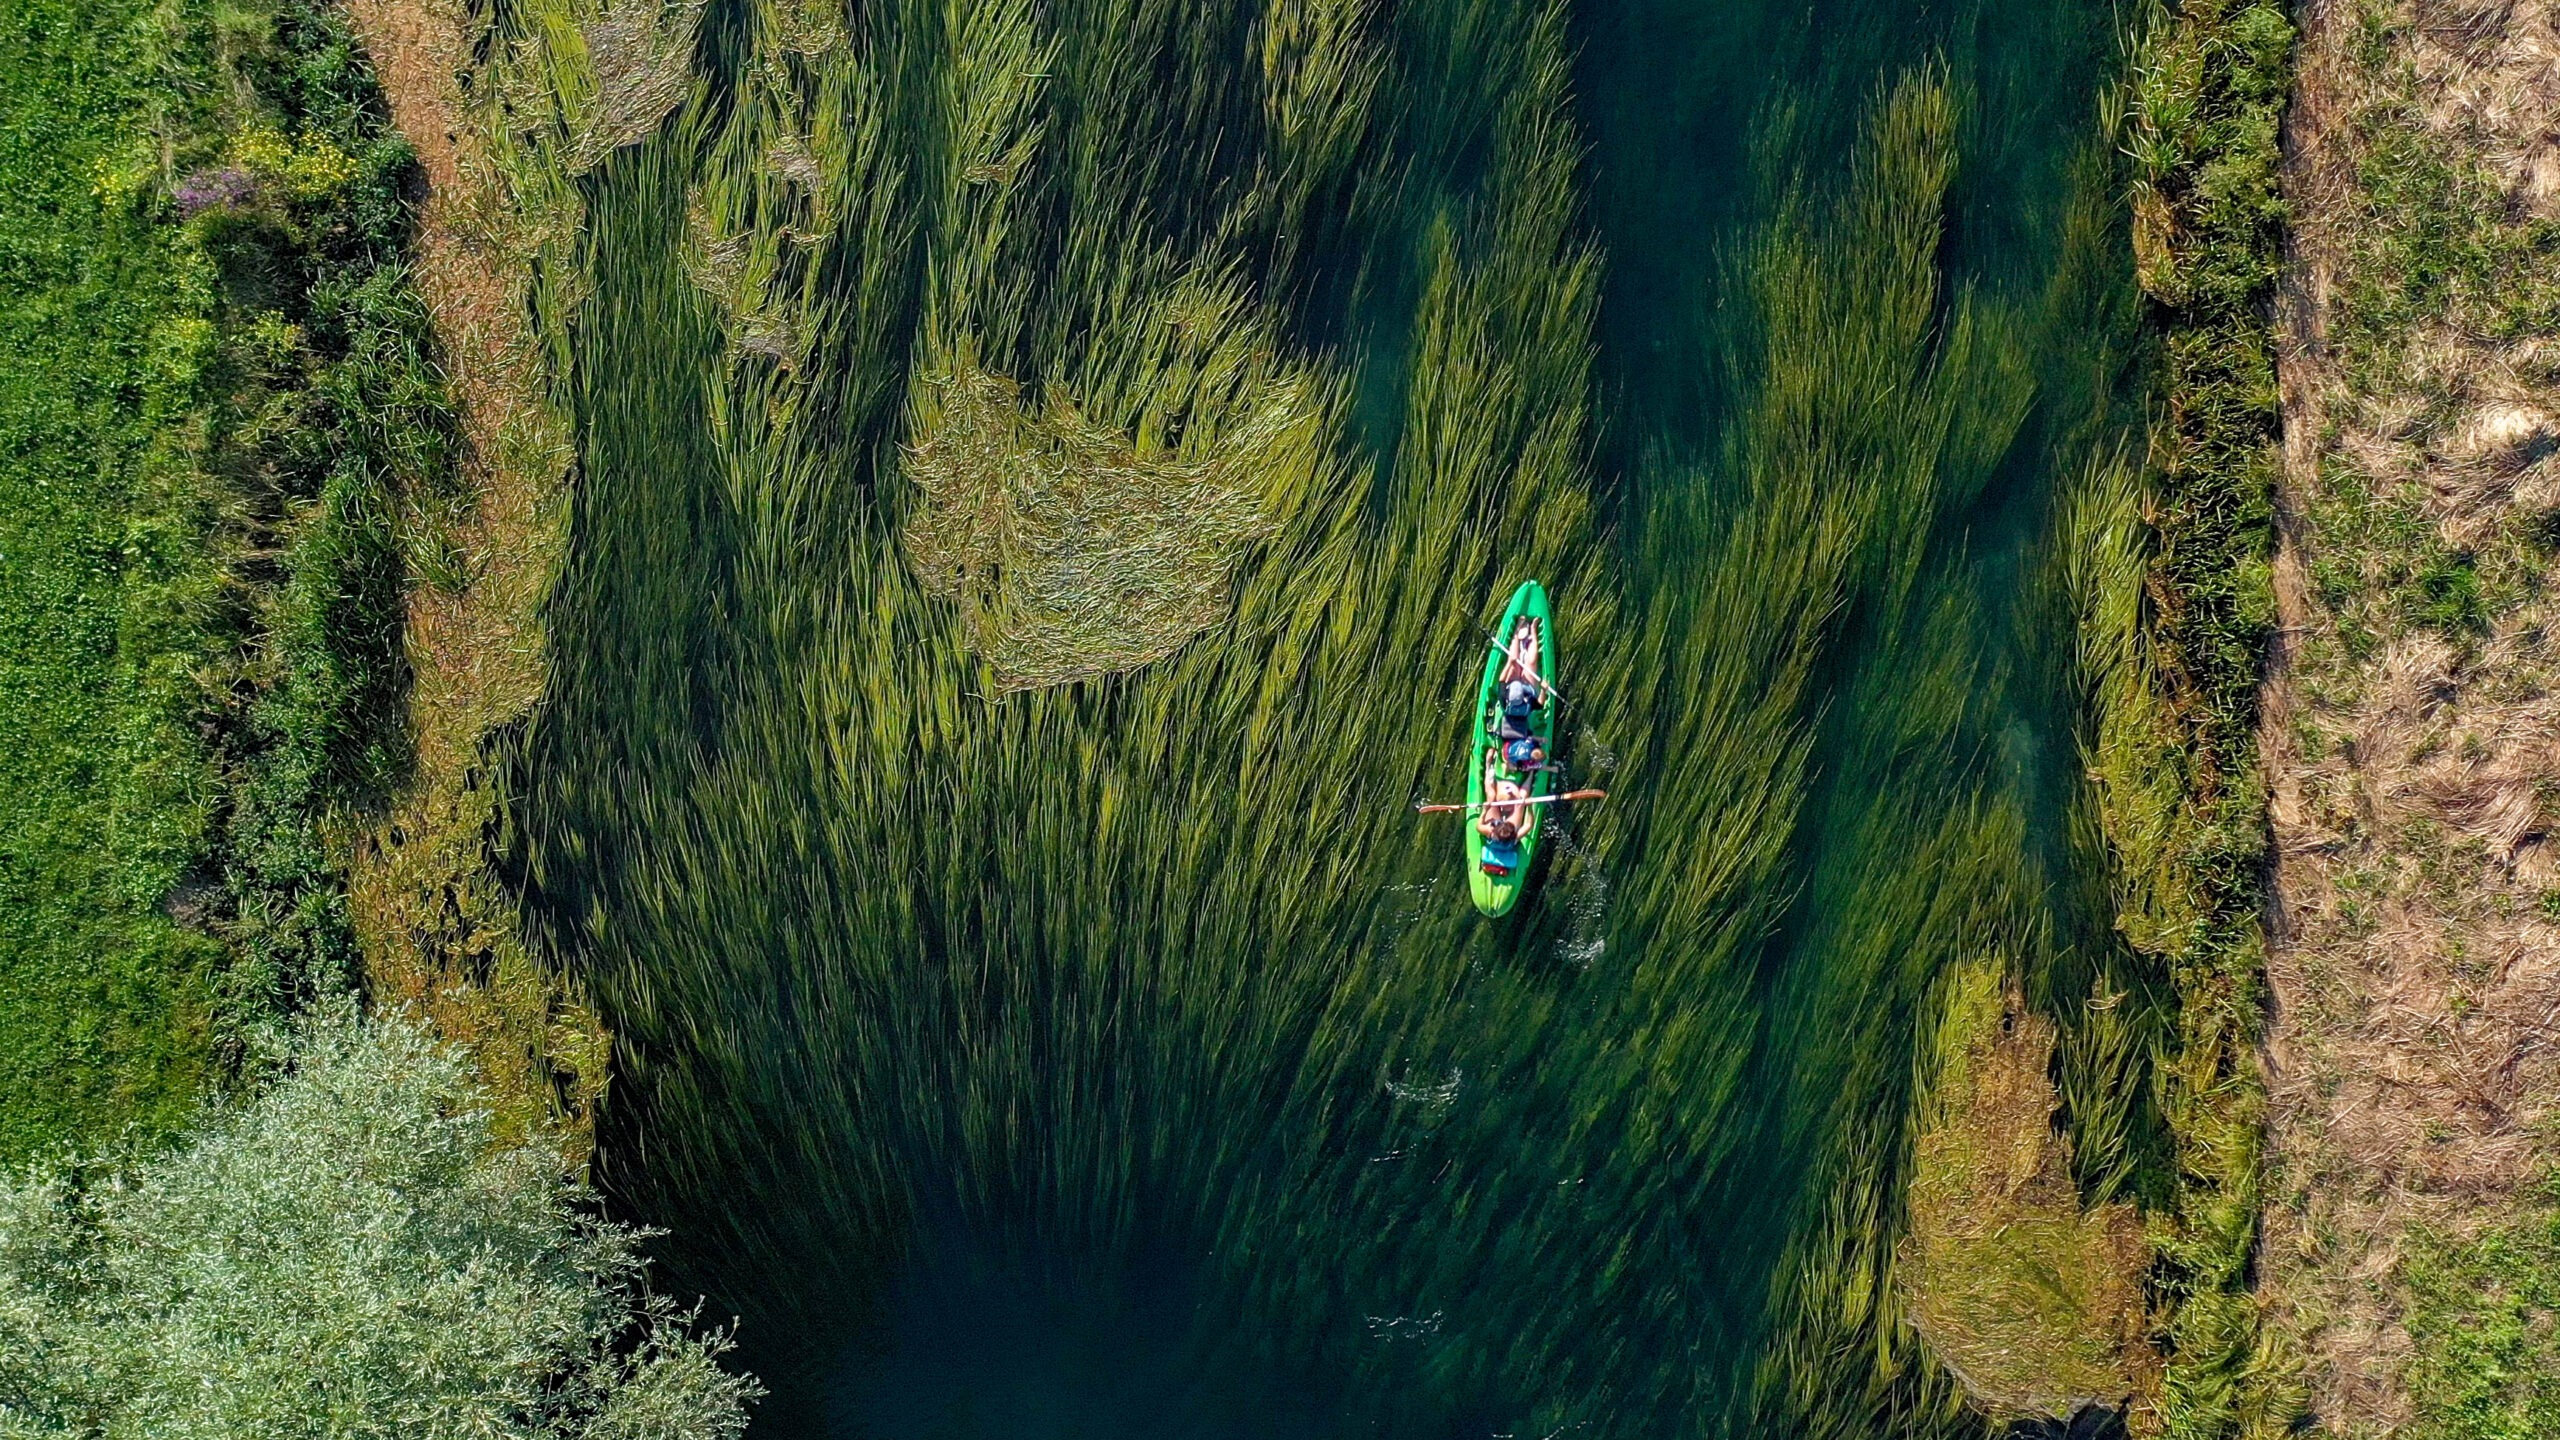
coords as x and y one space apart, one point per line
105 793
2411 1212
2478 1307
218 382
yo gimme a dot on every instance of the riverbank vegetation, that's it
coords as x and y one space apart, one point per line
2171 564
504 116
2151 971
234 466
225 389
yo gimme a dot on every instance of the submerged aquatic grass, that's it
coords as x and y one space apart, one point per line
1047 471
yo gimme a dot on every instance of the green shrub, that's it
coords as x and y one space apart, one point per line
322 417
346 1253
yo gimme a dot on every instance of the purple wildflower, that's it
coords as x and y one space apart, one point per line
205 189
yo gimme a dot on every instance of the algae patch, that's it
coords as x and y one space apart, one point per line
1078 550
2034 1301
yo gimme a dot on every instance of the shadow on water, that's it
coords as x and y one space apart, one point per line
973 1347
1120 1056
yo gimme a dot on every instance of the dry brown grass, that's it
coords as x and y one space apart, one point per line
2494 66
2034 1302
2415 974
438 932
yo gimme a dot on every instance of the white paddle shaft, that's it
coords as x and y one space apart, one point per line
1532 800
1525 667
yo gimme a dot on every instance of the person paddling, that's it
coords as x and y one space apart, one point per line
1512 769
1526 755
1503 817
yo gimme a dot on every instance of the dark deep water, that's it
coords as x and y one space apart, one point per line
1122 1057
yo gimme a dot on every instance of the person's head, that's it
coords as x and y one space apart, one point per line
1506 831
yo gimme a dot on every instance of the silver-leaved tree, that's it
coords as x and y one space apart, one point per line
346 1253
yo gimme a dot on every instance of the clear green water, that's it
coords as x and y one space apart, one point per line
1124 1058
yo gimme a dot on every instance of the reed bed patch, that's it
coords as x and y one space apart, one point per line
1080 548
1997 1219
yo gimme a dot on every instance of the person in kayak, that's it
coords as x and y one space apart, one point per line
1523 690
1523 652
1503 818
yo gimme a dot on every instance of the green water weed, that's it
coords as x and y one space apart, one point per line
900 946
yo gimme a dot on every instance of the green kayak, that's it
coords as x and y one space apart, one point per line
1496 874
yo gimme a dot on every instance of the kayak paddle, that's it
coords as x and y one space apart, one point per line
1532 800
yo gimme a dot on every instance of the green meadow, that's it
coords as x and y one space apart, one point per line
104 1002
220 395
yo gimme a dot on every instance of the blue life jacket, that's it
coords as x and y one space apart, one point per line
1502 854
1519 701
1520 754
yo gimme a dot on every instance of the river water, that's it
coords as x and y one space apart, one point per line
1120 1055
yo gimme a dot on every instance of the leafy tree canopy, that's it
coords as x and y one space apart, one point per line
346 1253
